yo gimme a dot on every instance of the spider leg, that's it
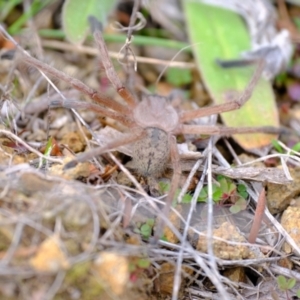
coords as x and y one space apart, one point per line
67 103
77 84
110 71
222 130
127 139
228 106
175 159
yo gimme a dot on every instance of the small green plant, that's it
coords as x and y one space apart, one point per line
296 147
145 229
165 187
137 266
277 146
225 191
287 284
279 149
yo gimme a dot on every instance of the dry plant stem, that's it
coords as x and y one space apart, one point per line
57 283
58 45
18 140
130 29
177 277
210 209
133 19
259 213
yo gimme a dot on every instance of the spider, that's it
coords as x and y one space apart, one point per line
152 122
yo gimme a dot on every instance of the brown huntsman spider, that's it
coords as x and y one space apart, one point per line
152 121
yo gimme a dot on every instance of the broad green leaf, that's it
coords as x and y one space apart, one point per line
277 146
241 188
187 198
144 263
75 16
178 77
221 34
235 209
291 283
296 147
281 281
146 230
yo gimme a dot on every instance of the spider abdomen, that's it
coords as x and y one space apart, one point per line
151 154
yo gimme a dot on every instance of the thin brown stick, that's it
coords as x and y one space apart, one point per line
259 213
59 45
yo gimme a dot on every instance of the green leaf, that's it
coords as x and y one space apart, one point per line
150 222
146 230
221 34
220 177
217 195
277 146
163 187
223 185
298 293
231 187
75 16
143 263
290 283
243 194
281 281
242 203
47 152
241 188
203 195
187 198
296 147
239 205
235 209
178 77
49 147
